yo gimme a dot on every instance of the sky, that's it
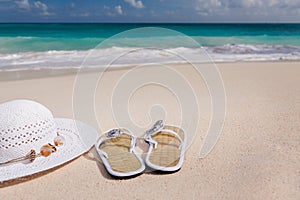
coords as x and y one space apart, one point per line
262 11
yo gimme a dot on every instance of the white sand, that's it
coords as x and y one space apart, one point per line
256 157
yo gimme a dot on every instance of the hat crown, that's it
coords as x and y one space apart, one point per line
24 125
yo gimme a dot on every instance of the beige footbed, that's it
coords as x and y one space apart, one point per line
167 152
119 157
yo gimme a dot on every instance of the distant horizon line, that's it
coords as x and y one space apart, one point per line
149 22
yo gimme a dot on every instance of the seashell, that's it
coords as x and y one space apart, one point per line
46 150
59 140
31 155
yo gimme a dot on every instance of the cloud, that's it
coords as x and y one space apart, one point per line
208 7
119 10
135 3
23 4
110 13
256 10
43 7
81 14
263 4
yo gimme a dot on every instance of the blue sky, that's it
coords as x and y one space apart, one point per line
150 11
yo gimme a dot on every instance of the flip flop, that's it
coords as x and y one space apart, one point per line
166 147
116 150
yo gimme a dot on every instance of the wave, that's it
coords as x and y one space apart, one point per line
17 44
123 56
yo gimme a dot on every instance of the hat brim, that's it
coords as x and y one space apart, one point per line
79 139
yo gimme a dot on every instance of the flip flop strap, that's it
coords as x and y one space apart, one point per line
159 127
149 138
114 133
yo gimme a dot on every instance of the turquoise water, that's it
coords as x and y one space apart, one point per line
44 37
67 45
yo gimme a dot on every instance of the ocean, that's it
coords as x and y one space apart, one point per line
36 46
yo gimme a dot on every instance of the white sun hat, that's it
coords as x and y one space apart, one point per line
28 129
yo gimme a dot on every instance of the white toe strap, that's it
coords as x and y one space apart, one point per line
113 134
159 127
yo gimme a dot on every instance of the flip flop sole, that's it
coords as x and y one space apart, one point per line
120 162
167 156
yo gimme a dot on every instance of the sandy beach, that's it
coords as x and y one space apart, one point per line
256 157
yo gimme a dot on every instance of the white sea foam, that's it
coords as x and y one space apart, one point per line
119 56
